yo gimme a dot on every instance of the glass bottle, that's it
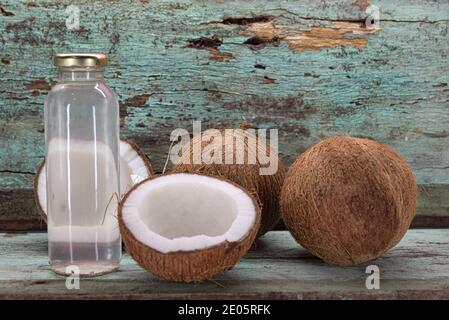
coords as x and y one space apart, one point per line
82 165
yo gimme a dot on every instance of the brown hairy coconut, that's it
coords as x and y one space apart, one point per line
134 167
348 200
245 173
188 227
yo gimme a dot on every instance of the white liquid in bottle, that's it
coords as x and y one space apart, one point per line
82 217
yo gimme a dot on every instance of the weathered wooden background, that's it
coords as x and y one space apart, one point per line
312 69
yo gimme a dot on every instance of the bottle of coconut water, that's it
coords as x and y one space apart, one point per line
82 168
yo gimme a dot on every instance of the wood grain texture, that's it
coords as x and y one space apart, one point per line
275 268
309 68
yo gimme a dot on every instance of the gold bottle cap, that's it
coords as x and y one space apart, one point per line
80 60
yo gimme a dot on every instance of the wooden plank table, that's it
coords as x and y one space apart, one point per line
276 268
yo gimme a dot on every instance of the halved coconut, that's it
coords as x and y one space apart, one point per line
188 227
134 167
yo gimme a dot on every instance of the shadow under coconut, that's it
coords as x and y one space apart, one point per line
271 248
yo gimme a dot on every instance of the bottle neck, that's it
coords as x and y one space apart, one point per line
68 74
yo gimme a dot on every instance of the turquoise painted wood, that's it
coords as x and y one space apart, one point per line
308 68
275 268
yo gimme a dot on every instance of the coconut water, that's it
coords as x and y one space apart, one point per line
82 197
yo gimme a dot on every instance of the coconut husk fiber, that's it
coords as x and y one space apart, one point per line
267 187
349 200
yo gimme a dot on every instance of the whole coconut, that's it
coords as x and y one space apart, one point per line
348 200
246 174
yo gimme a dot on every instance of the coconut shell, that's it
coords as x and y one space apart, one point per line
40 210
142 155
188 266
348 200
267 187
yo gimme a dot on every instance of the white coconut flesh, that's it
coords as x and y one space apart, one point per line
132 170
187 212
